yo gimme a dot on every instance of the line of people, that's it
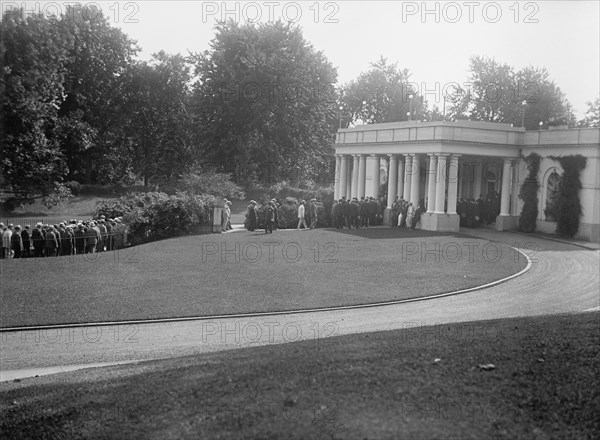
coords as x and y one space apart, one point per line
66 238
354 213
478 212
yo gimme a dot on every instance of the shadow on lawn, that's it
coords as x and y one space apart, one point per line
386 233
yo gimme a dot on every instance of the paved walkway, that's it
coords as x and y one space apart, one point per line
564 278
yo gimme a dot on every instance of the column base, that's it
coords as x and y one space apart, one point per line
440 222
506 222
387 217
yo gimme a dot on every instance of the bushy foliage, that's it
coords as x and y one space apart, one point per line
208 181
155 215
568 206
528 193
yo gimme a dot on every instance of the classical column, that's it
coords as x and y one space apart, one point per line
376 176
362 175
505 196
514 203
400 187
343 177
477 179
432 183
407 176
349 179
355 170
338 170
461 181
392 180
452 183
415 181
440 188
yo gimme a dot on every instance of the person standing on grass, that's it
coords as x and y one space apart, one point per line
26 236
6 241
276 208
90 240
103 233
16 242
80 239
313 213
51 243
269 218
3 253
301 219
38 239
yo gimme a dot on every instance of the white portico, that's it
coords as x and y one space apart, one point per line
441 162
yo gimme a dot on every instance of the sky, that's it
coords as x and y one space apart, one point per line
433 39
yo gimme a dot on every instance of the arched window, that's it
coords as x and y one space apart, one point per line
552 185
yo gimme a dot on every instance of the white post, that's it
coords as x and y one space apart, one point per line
505 196
338 170
343 176
440 190
432 183
376 176
400 187
355 170
415 180
392 180
362 175
407 176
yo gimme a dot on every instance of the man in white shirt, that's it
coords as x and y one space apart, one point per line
301 220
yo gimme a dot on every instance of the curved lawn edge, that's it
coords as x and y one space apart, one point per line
281 312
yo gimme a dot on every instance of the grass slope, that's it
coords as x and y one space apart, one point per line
384 385
247 272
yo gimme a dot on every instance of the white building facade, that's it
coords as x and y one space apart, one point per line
444 161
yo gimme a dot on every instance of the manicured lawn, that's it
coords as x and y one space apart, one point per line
247 272
385 385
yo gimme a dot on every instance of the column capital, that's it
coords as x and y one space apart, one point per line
456 155
442 154
375 155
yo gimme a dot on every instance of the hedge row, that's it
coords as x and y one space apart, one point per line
156 215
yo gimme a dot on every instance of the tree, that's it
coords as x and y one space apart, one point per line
33 52
382 94
263 102
592 115
496 93
62 106
159 125
98 64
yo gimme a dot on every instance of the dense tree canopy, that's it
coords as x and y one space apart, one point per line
496 92
261 105
263 101
382 94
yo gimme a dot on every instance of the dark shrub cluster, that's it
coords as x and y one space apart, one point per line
567 209
155 215
528 193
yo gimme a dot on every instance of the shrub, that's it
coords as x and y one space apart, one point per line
528 193
74 186
568 206
155 215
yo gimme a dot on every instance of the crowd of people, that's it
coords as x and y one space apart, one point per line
478 212
368 211
356 213
270 212
71 237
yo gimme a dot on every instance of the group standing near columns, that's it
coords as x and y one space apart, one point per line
443 190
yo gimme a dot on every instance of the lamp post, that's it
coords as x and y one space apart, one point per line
341 108
524 103
541 124
410 98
